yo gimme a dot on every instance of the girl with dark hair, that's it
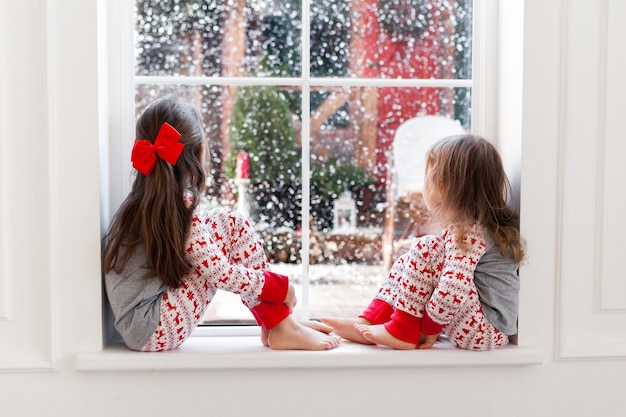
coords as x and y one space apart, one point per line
463 282
165 259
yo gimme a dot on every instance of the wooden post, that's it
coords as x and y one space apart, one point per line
364 109
233 52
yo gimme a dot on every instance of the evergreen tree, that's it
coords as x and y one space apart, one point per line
261 125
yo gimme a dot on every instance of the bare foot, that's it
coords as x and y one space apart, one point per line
289 334
345 328
319 326
312 324
264 337
379 335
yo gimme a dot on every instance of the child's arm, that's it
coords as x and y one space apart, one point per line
265 293
454 286
208 261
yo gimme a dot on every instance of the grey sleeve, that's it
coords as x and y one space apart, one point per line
135 301
497 283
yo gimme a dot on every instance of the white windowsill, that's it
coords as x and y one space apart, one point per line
247 352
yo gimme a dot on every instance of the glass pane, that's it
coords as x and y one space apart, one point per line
391 38
262 122
354 185
262 166
355 127
218 38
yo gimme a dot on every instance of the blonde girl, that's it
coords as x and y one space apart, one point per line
165 259
463 282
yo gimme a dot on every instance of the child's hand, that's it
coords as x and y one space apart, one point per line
291 300
427 341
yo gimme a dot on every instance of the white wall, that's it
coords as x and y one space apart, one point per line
49 249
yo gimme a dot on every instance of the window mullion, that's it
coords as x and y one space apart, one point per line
213 80
306 150
313 82
480 51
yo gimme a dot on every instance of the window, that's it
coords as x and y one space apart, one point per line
310 94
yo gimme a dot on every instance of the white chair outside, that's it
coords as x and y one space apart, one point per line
406 213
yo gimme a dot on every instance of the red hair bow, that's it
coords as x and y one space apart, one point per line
166 145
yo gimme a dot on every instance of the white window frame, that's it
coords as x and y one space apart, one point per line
117 110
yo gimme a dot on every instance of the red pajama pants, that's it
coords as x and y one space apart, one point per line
432 285
182 308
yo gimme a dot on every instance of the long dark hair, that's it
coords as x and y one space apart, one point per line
158 211
468 172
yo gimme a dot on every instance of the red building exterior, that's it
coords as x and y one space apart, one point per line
400 54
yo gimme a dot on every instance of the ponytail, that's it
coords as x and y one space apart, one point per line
158 211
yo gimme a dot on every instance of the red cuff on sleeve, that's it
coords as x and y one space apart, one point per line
269 315
429 326
377 312
404 326
275 288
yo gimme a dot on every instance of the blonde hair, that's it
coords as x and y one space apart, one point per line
467 170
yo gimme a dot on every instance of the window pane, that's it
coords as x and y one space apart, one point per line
178 37
417 39
263 125
352 136
213 38
261 121
352 129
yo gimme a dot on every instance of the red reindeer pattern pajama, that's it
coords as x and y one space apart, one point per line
431 288
224 253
